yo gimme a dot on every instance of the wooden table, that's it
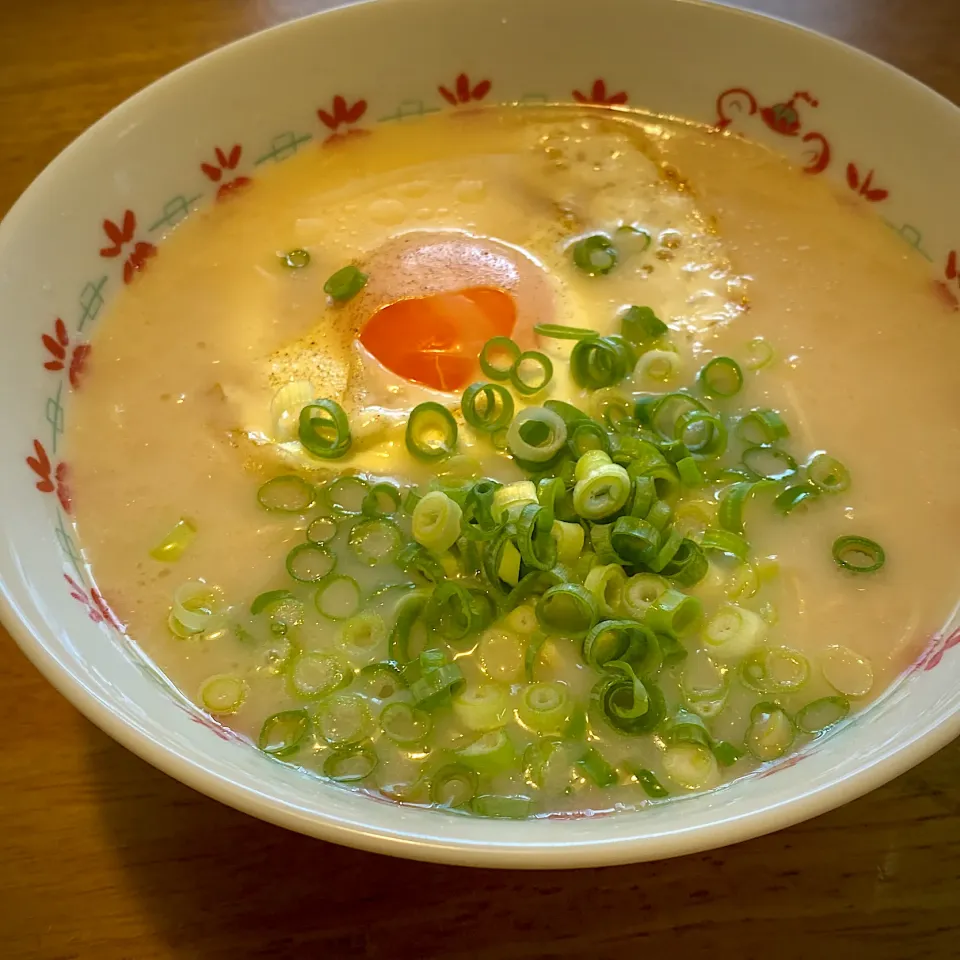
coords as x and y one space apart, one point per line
103 857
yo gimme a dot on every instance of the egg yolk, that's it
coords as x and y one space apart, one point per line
435 340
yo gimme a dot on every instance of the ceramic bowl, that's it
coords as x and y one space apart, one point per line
97 215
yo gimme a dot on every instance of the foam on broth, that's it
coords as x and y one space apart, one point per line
173 418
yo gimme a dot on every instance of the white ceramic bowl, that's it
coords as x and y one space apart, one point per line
93 217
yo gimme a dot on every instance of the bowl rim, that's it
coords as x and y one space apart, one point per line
530 855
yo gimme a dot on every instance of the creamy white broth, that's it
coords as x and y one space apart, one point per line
174 418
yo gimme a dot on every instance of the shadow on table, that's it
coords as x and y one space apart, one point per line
221 884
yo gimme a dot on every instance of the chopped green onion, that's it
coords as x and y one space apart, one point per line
409 611
588 462
483 707
436 686
776 670
691 766
505 807
587 435
195 607
223 693
558 331
795 495
509 499
414 560
172 546
651 785
733 632
454 612
263 602
702 433
453 786
597 362
322 530
732 501
346 495
318 674
374 541
689 472
567 609
595 255
721 377
569 538
820 714
659 366
635 541
688 564
286 494
381 500
603 551
759 353
343 718
761 426
641 592
282 734
361 635
858 554
626 702
607 582
431 432
665 413
829 474
487 406
846 671
672 613
338 598
602 493
771 732
501 652
285 408
624 640
498 357
726 753
323 429
350 764
595 766
640 325
769 463
436 522
310 562
531 372
382 680
404 724
345 284
723 541
545 708
538 549
295 259
536 435
491 753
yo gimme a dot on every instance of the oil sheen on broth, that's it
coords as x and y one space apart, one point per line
537 651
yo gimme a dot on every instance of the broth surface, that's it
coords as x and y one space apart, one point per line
174 419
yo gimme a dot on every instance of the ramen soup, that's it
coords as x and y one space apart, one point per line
526 461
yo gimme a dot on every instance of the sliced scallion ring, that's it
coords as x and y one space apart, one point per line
286 494
487 406
195 606
795 495
847 671
536 435
437 521
602 493
762 426
310 562
858 554
497 358
283 733
558 331
295 259
531 372
350 764
774 670
829 474
431 432
316 675
381 500
346 494
659 366
820 714
345 284
404 724
691 766
598 362
376 540
721 377
769 463
453 786
733 632
545 708
759 354
171 548
343 718
640 325
771 732
322 530
594 255
223 693
323 429
338 598
567 609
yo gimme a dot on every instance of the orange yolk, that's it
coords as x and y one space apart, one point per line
436 340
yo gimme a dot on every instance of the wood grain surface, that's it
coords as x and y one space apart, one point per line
103 857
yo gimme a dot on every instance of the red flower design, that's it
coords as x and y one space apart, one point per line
785 765
463 92
120 237
224 733
598 94
736 100
820 155
50 479
97 608
952 641
226 161
341 113
952 274
57 345
865 187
